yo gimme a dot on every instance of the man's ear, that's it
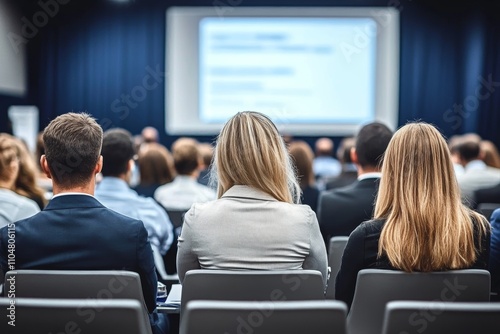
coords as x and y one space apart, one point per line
45 166
354 156
98 166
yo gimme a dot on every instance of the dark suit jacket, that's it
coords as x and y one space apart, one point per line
341 210
344 179
362 249
487 195
76 232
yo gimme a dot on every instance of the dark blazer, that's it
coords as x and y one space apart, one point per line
361 253
487 195
76 232
341 210
310 196
344 179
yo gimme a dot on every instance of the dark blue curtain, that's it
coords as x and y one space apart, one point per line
92 59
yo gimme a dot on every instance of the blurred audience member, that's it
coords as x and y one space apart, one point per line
185 190
453 143
13 207
207 152
420 223
254 224
303 156
156 167
494 265
26 182
341 210
114 191
477 174
349 172
150 135
489 153
487 195
325 165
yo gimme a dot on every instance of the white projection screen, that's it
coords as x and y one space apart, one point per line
315 71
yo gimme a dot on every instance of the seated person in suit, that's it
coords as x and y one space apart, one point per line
185 190
255 224
420 222
477 174
341 210
303 157
13 206
75 231
207 153
114 191
349 173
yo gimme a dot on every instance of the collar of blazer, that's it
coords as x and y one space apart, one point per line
241 191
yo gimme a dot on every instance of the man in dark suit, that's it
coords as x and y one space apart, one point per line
75 231
341 210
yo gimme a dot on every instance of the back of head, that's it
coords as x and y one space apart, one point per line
186 155
303 158
207 153
490 154
26 182
468 150
117 151
72 148
149 135
344 150
371 143
155 164
427 228
9 158
324 147
251 152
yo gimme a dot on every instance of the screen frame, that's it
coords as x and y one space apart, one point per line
181 96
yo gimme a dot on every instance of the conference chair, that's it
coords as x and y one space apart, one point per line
72 316
335 251
251 285
376 287
486 209
264 317
76 284
415 317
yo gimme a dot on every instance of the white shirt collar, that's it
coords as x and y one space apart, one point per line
374 175
71 193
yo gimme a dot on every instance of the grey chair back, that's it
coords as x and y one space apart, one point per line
376 287
415 317
78 284
335 252
251 285
291 317
72 316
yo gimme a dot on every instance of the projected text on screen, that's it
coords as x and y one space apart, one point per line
292 67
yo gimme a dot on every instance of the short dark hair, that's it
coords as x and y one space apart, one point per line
186 157
468 150
72 148
117 150
371 143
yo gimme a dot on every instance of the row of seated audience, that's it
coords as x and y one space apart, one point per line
397 196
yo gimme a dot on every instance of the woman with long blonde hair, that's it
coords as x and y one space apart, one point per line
256 223
420 223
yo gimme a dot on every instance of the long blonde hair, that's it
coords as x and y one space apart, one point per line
427 227
250 151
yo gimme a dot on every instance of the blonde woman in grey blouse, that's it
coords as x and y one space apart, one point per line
256 223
